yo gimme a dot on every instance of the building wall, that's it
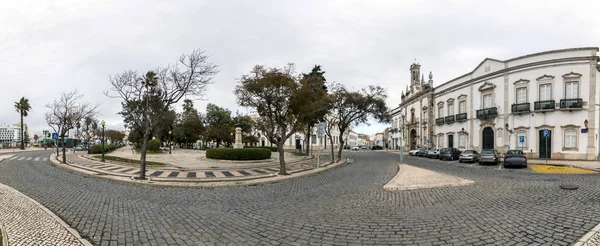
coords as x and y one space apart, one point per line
501 79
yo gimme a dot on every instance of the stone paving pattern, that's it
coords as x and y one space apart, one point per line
25 223
410 177
343 206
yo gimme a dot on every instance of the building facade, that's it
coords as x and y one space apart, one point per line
10 135
543 103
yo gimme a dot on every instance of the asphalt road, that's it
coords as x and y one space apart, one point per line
343 206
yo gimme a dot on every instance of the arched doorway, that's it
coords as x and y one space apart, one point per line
488 138
413 139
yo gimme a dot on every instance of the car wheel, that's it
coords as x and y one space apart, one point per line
451 158
459 161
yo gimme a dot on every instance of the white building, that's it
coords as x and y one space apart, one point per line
10 135
510 104
352 138
379 139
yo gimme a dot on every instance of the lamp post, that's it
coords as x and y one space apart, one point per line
102 123
169 142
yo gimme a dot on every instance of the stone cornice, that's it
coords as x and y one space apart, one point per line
571 75
545 76
521 81
486 86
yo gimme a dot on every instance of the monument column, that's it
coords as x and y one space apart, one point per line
238 138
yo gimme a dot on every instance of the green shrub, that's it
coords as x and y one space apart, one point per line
238 154
97 148
153 145
272 149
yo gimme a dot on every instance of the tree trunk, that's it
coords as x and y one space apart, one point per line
282 169
143 154
342 143
308 135
332 149
64 148
22 132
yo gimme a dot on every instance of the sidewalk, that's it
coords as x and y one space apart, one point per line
593 165
226 175
24 221
17 150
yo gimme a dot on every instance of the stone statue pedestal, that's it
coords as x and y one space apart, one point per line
238 139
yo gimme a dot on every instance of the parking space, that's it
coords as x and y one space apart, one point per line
471 164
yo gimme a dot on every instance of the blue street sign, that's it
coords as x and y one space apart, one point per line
427 141
546 133
521 139
55 135
377 141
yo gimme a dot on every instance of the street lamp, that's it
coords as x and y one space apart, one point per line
102 123
169 142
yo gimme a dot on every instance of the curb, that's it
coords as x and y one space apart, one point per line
4 234
587 236
266 179
54 216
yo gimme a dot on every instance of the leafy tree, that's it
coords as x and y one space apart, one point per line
355 107
269 91
65 112
311 102
159 89
247 124
36 138
190 123
218 124
23 107
115 136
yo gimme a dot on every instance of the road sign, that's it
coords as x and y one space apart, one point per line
427 141
320 130
521 139
546 133
54 135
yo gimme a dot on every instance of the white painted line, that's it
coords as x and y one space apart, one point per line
499 166
45 159
36 159
29 158
236 174
21 158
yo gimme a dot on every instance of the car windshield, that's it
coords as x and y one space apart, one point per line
468 152
444 150
514 152
487 152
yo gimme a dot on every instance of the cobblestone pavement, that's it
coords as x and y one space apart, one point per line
24 222
342 206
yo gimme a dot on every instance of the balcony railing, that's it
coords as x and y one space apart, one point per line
520 107
439 121
449 119
461 117
571 103
544 105
487 113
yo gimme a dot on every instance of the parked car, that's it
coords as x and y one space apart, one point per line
515 157
449 154
433 153
469 155
489 156
376 147
363 147
355 148
422 152
80 148
415 151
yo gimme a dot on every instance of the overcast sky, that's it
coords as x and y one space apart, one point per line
47 47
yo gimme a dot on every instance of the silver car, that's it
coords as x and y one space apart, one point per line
469 155
433 153
489 156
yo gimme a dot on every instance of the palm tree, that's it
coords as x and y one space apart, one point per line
22 107
36 138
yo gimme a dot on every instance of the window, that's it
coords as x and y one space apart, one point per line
462 141
487 101
570 139
572 90
424 115
545 92
440 140
522 135
522 95
462 107
440 112
450 109
313 139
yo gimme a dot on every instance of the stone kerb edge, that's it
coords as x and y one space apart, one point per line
4 234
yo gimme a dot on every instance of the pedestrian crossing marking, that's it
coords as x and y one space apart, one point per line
36 159
21 158
219 174
28 158
45 159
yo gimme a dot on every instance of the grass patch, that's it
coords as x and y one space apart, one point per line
148 152
132 161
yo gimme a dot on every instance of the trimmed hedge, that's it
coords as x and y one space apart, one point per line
238 154
272 149
97 148
153 145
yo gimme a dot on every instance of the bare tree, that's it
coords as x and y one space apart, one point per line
330 123
65 112
146 98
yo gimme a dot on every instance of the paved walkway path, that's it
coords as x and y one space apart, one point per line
24 221
219 176
410 177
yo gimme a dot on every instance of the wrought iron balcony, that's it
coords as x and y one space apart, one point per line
520 107
544 105
487 113
439 121
449 119
461 117
571 103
